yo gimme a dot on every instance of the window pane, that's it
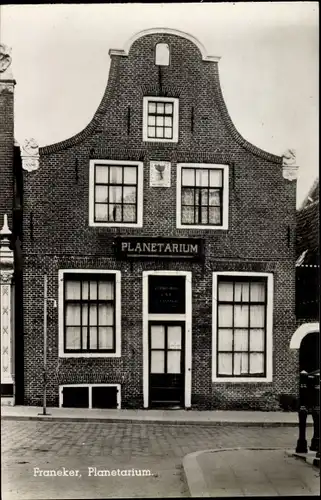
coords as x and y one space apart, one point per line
84 314
72 338
130 175
214 215
101 212
160 121
225 291
93 290
204 197
225 340
85 290
151 132
101 193
157 337
187 196
201 177
241 316
257 316
187 215
157 362
151 120
242 292
159 132
72 314
168 133
204 215
225 315
115 194
129 194
160 108
214 198
174 362
102 175
174 337
256 364
188 177
168 109
240 364
115 213
84 338
257 340
106 338
73 290
151 107
106 290
92 338
129 213
168 121
257 292
215 178
93 315
116 175
241 340
105 314
225 364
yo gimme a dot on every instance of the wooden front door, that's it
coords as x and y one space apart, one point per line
166 364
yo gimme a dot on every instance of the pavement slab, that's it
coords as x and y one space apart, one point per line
249 472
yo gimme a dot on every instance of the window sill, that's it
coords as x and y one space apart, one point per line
90 355
119 224
242 380
203 227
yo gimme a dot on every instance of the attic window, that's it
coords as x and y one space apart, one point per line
162 54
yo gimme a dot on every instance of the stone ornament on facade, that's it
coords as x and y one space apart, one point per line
30 155
5 57
160 174
290 168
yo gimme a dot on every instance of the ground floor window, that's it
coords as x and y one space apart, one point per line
241 326
89 313
90 396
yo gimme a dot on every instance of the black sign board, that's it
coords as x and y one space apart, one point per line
180 248
166 294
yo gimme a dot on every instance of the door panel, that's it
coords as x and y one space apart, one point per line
166 364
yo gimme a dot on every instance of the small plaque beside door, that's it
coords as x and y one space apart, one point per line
160 174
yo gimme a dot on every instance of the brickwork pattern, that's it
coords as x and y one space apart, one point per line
261 234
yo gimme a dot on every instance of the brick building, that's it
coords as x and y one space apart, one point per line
169 245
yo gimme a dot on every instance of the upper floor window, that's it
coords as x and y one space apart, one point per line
160 119
115 193
162 54
202 196
89 316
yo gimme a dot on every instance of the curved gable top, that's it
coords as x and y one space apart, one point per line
169 31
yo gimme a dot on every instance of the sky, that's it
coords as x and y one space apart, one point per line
268 69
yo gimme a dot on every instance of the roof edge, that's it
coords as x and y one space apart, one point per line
151 31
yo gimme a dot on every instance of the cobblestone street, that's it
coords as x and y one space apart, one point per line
156 447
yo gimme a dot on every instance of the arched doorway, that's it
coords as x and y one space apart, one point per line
307 340
309 355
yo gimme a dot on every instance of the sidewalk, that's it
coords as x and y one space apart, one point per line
241 418
246 472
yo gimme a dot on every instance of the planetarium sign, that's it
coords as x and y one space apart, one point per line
187 248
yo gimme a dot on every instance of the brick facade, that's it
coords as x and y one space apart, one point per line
260 237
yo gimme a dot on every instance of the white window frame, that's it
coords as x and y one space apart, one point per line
117 353
269 329
175 102
225 208
139 201
90 386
